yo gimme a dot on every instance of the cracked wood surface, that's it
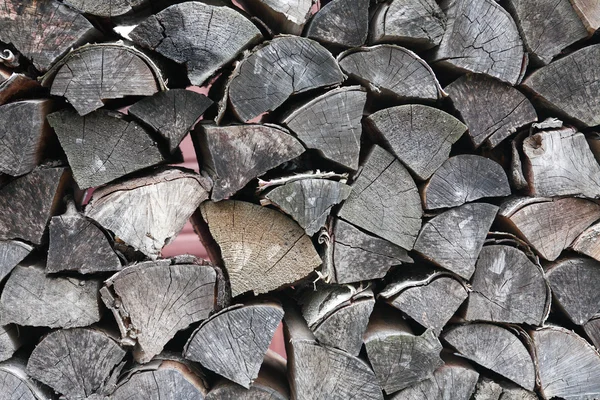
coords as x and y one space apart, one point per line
282 16
10 341
587 243
16 384
487 389
340 23
12 252
261 248
106 8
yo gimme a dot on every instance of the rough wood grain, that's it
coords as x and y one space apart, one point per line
340 23
103 145
462 179
15 384
75 362
203 37
488 389
508 287
9 341
454 238
156 299
103 8
391 70
494 348
262 249
280 68
281 15
256 149
12 252
493 110
567 364
384 200
17 86
233 342
32 298
149 211
588 242
420 136
589 12
331 124
592 330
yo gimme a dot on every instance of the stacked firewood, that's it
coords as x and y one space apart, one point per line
411 187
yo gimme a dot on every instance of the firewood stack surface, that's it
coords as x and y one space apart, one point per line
409 186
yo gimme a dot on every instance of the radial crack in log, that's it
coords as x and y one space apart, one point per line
103 8
281 15
340 23
589 12
16 384
10 341
12 252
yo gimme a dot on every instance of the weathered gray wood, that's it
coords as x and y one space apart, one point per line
574 283
234 155
508 287
281 15
78 244
560 163
203 37
571 85
309 365
454 238
494 348
493 110
341 23
567 364
155 299
589 12
24 134
420 136
15 384
487 389
16 85
588 242
481 37
103 8
278 69
261 248
75 362
94 73
233 342
391 70
419 24
171 113
10 341
12 252
32 298
592 330
28 202
549 225
309 201
384 200
43 30
462 179
149 211
430 299
103 145
331 124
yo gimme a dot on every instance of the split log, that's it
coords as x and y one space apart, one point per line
385 200
171 113
549 225
592 330
279 69
15 384
101 8
547 28
338 315
554 161
398 356
416 24
25 135
454 238
10 341
149 211
358 256
103 145
17 86
393 71
309 364
570 85
28 202
309 201
203 37
254 261
150 313
75 362
32 298
508 287
234 342
280 15
78 244
92 74
420 136
487 389
462 179
491 109
567 364
481 37
430 299
12 252
494 348
256 149
587 243
574 283
340 23
331 124
589 12
43 30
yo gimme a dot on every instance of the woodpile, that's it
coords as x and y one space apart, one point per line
410 189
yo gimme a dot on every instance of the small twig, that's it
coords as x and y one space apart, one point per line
262 185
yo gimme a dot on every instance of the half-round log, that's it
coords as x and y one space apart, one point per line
103 8
340 23
12 252
281 15
10 341
588 243
16 384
